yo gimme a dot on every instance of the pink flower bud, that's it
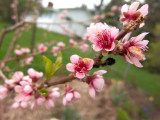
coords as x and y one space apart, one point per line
34 75
96 82
42 48
55 51
70 96
61 45
72 42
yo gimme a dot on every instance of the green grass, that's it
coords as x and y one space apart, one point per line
143 79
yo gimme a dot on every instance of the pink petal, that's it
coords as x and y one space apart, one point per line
112 47
18 88
127 59
141 25
90 64
15 105
136 62
98 84
80 75
64 101
114 32
141 36
143 42
96 48
24 104
144 9
92 92
49 103
70 67
69 96
19 97
126 37
100 72
77 95
133 7
124 8
74 59
28 89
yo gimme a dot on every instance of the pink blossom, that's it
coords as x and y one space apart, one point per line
55 51
96 82
79 66
84 47
34 75
12 5
131 12
102 36
114 8
18 52
134 48
61 45
29 60
3 92
70 96
25 50
42 48
72 42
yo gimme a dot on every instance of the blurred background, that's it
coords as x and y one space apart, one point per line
130 93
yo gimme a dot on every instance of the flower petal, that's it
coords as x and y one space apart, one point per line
70 67
92 92
80 75
133 7
100 72
144 9
74 59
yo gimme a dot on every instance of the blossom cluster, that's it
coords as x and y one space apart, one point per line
32 90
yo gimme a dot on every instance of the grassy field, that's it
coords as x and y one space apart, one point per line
143 79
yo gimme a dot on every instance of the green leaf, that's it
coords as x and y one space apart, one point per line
44 92
48 67
58 63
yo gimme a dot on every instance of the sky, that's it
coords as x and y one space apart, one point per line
74 3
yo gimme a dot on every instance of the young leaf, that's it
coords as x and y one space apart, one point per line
58 63
48 67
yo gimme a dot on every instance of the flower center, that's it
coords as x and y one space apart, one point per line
137 52
104 39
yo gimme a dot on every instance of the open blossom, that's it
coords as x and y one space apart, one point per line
102 36
84 47
42 48
3 92
72 42
70 95
79 66
61 45
96 82
134 48
55 51
34 75
131 12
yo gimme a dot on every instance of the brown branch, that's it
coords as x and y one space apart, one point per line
2 75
